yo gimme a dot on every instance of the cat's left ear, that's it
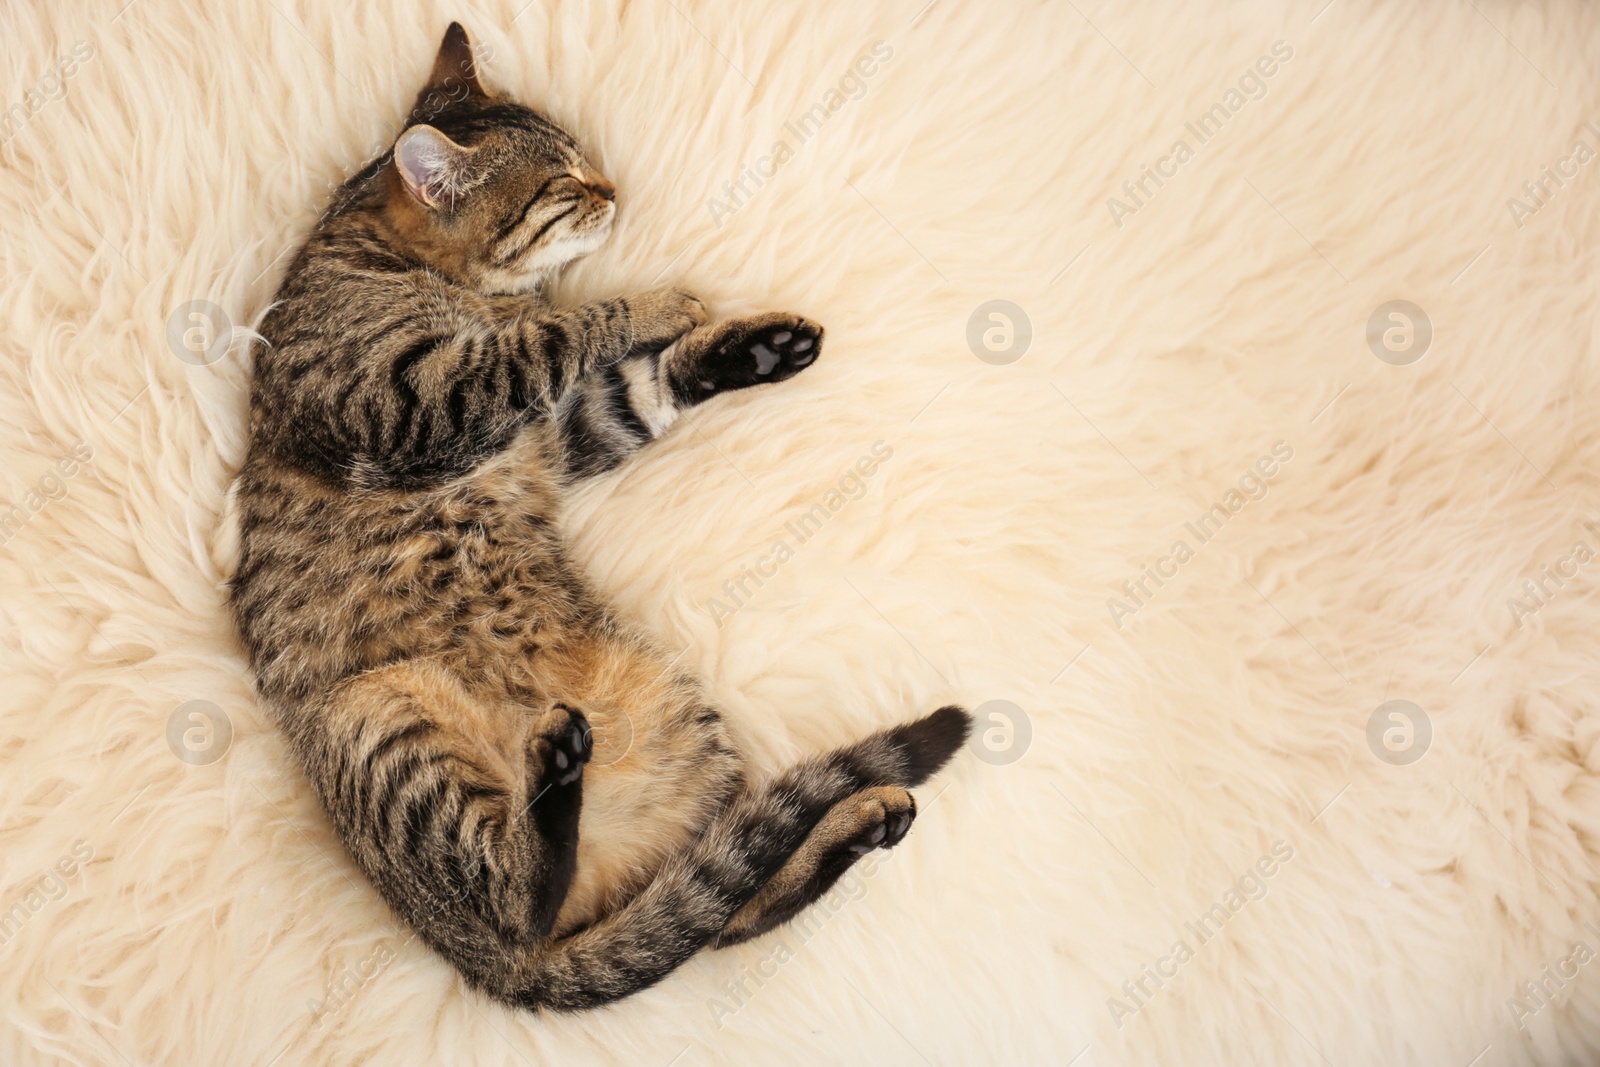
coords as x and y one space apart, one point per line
455 71
433 167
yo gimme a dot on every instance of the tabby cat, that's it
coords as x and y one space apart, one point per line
528 779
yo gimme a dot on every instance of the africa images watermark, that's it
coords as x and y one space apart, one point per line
52 86
51 485
1540 591
1399 732
852 485
799 130
742 988
1254 484
1534 995
1543 188
1248 888
342 986
50 886
1252 86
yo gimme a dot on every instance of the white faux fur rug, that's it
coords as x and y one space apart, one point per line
1185 513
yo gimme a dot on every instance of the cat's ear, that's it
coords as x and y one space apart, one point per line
432 166
455 71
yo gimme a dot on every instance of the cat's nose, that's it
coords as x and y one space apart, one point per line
603 187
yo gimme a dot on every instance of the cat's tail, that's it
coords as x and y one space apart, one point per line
699 889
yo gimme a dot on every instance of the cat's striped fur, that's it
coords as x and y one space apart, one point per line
530 780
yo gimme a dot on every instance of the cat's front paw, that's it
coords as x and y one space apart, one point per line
661 316
751 351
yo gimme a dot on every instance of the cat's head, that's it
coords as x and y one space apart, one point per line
488 191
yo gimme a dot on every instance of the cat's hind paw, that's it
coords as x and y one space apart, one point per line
565 743
885 815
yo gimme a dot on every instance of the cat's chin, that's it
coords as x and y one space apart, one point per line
560 254
576 246
504 284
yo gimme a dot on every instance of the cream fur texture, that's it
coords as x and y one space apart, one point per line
1198 766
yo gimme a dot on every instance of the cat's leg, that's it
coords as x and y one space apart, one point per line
558 748
417 776
551 351
614 411
457 812
436 394
700 888
873 818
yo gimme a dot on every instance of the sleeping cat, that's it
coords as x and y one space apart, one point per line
528 779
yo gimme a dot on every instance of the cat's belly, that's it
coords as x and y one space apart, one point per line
628 827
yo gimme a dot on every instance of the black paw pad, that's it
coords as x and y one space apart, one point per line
782 353
571 749
888 833
754 354
896 826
